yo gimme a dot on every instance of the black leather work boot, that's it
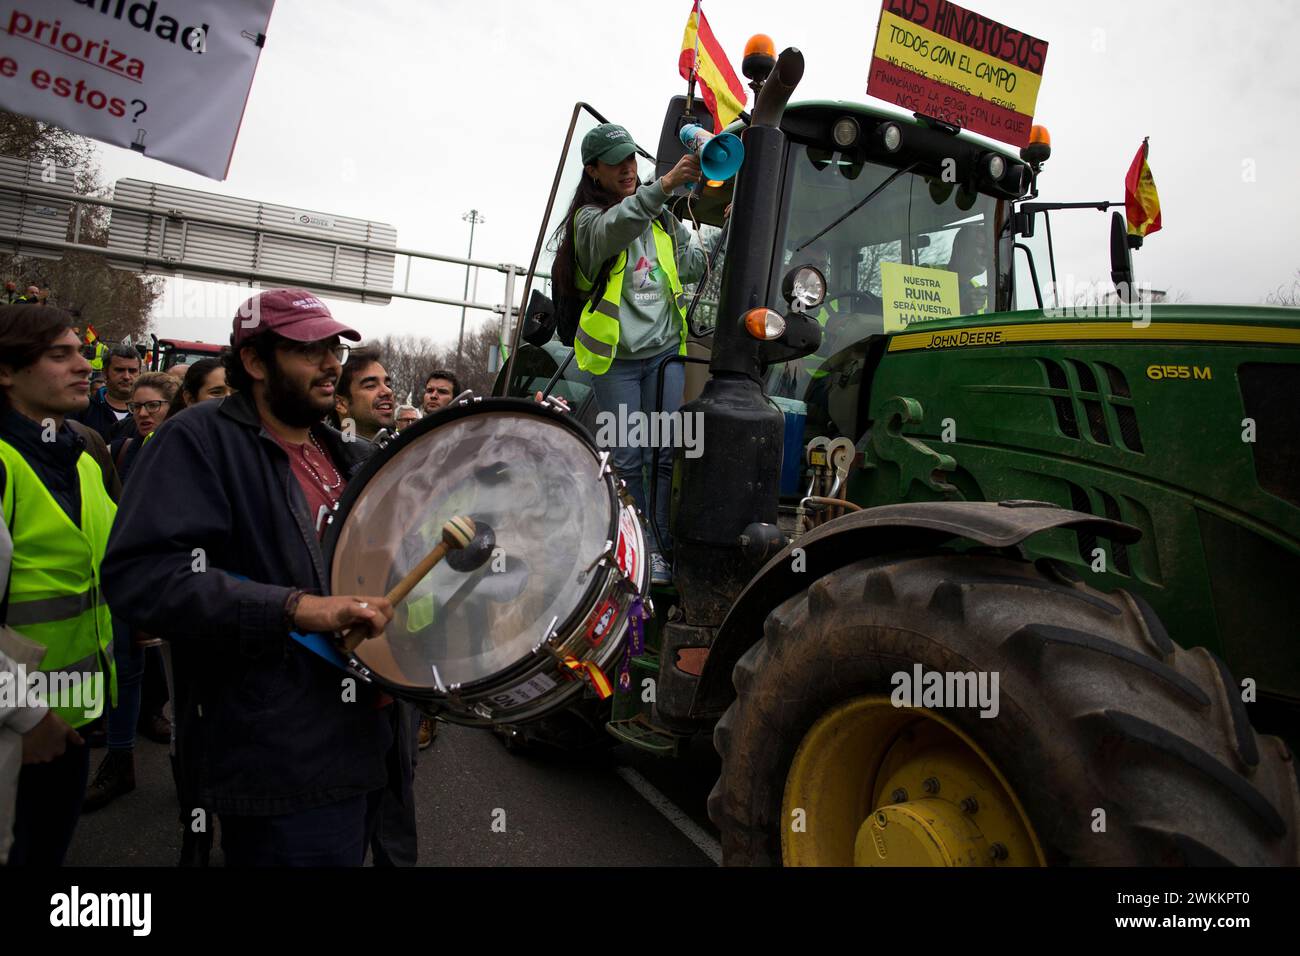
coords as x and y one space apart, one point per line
115 776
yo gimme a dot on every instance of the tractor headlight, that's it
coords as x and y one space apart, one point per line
804 287
846 132
891 136
995 166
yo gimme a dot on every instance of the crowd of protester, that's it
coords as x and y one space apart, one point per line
169 523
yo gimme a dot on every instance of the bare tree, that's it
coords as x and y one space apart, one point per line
409 359
1286 294
473 370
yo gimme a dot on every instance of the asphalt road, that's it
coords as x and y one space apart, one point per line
620 808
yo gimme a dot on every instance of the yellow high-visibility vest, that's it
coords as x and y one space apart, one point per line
55 598
596 341
813 363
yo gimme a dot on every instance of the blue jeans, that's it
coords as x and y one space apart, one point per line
630 386
123 718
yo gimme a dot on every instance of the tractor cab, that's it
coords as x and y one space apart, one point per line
169 352
877 233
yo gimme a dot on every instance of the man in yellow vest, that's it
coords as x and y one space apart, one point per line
59 515
969 260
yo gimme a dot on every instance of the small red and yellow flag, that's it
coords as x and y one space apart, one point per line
1141 202
91 335
702 55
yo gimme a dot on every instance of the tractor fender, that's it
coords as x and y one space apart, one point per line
910 526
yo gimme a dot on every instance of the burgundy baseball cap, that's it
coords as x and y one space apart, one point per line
293 313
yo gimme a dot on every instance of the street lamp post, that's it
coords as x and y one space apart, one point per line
473 217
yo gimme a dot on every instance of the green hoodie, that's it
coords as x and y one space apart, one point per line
648 322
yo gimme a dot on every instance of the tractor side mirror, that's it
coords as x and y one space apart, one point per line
1121 258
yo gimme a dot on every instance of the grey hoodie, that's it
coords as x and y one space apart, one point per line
648 322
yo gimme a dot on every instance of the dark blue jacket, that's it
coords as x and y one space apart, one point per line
101 417
263 726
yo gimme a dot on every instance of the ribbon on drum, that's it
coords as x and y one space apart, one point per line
637 615
591 670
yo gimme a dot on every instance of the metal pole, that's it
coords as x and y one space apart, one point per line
507 315
473 218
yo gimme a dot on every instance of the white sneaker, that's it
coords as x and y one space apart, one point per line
660 572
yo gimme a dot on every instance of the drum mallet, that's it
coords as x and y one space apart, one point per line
475 554
456 533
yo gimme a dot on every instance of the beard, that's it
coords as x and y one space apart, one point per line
293 406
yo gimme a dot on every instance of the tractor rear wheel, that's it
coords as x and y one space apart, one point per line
1110 744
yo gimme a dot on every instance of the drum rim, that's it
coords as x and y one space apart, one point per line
464 409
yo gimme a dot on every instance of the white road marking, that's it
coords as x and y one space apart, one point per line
670 811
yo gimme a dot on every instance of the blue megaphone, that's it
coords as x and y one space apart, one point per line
720 155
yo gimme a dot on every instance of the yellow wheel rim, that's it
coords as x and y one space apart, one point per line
877 785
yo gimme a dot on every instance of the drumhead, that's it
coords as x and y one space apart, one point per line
535 479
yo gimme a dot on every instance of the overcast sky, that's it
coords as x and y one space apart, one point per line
413 111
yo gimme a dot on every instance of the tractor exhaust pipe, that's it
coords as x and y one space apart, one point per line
778 88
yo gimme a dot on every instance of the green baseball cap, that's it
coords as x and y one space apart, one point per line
609 143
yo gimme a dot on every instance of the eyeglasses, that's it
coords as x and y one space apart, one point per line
316 351
150 407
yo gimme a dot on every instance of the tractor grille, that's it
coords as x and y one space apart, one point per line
1118 383
1117 554
1079 397
1120 550
1269 395
1064 406
1128 427
1087 540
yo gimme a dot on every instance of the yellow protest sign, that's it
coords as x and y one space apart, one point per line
915 294
944 61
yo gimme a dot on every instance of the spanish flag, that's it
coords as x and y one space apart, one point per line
702 54
91 335
1141 203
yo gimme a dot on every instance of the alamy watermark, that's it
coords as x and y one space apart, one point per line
1099 300
68 689
74 908
949 689
637 429
187 298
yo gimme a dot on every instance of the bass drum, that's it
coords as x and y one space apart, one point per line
536 611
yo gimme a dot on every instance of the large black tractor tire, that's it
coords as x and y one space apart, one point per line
1098 709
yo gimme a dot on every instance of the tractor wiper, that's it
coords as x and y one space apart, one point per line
866 199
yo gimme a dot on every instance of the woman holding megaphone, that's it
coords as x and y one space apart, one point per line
626 257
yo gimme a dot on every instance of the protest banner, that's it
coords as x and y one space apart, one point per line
167 78
941 60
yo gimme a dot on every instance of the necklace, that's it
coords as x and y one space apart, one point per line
324 485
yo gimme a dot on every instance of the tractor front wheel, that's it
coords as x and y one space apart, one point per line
962 710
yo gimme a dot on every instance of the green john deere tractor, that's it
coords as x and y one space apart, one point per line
1007 588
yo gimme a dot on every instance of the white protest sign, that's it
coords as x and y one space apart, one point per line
167 78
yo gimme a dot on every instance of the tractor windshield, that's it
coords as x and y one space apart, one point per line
918 234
